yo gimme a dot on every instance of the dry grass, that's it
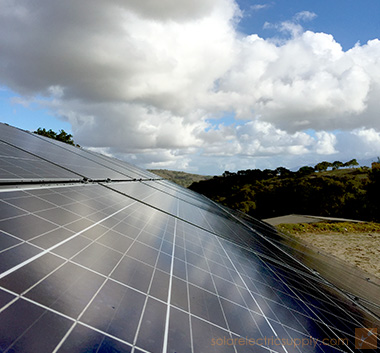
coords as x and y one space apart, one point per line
355 243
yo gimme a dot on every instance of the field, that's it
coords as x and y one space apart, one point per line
355 243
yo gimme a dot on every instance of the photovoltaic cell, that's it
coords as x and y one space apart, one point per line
146 266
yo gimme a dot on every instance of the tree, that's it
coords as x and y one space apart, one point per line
351 163
227 174
243 199
268 173
306 170
337 165
322 166
47 133
373 191
255 174
63 136
283 172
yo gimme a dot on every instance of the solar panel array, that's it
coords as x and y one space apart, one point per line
97 255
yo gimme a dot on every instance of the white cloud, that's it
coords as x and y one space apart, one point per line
309 82
369 136
364 142
292 27
326 143
305 16
259 7
142 81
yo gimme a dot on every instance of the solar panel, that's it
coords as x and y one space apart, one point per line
17 165
63 155
123 168
147 266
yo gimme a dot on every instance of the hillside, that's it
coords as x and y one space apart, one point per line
348 192
180 178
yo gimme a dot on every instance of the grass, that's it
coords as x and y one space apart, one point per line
329 227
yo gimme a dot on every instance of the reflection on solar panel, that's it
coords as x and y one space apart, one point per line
93 260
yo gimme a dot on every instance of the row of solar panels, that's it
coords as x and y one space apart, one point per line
30 157
123 265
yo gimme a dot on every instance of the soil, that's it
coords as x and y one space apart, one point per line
359 249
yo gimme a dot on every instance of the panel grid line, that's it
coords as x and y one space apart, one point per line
188 295
166 333
147 297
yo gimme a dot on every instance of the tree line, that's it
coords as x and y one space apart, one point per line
283 172
325 190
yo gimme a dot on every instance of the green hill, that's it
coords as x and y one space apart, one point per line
180 178
347 193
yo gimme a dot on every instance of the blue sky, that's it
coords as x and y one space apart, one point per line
29 116
349 21
186 86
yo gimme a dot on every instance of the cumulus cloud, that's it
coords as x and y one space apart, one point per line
147 81
326 143
309 82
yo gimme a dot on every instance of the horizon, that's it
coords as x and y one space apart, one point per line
361 163
215 86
